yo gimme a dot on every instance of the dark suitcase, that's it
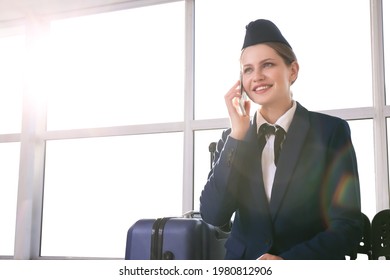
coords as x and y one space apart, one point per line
184 238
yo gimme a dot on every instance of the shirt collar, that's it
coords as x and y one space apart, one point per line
284 121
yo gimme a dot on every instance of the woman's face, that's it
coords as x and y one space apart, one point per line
266 78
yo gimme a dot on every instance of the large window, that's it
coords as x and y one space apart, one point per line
363 140
96 188
330 63
386 39
134 95
118 70
9 166
11 87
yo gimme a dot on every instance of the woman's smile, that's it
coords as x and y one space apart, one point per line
261 89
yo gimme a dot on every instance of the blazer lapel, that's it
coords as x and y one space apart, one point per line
289 156
253 167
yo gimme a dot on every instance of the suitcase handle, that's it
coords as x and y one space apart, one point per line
221 231
192 214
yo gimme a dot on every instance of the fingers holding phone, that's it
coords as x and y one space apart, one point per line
237 100
238 107
243 98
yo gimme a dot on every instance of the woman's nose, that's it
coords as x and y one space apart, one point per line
259 75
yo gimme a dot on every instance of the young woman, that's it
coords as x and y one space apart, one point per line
288 175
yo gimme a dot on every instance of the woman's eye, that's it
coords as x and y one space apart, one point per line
247 70
268 65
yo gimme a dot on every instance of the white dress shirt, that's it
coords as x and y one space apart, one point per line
267 157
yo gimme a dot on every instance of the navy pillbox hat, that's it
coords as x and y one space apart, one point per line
262 31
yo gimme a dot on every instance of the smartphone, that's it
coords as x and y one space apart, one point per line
242 98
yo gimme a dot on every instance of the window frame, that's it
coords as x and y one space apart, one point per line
34 135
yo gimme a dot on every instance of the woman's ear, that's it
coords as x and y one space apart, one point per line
294 71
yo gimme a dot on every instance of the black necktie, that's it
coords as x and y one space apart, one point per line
280 135
266 130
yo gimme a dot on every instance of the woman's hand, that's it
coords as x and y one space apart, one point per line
239 123
269 257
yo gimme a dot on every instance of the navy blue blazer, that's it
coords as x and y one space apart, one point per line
314 211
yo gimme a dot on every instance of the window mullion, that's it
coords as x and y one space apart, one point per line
380 133
32 150
188 155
